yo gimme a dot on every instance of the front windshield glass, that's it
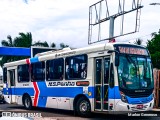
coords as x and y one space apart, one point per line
134 72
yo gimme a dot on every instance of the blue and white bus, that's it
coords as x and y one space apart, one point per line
100 78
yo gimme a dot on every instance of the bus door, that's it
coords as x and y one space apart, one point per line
11 85
102 65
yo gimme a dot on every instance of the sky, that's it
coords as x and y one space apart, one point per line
67 21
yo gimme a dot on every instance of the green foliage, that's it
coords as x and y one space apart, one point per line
42 44
153 46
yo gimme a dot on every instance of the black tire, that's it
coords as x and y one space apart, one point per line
4 101
83 107
27 102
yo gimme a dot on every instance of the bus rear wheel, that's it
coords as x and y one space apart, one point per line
27 102
83 107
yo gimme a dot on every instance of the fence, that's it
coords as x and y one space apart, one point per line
156 88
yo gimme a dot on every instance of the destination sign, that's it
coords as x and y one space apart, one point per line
132 50
82 83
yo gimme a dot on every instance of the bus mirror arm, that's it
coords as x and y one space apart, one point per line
116 56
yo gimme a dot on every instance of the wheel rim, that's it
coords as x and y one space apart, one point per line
84 106
27 102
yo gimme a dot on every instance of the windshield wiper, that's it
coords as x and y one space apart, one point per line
130 60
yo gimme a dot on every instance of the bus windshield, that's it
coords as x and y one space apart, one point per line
135 72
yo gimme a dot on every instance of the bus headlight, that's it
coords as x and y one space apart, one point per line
123 97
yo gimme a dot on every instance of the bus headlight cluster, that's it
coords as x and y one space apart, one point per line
123 97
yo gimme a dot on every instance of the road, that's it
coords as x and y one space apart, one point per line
55 114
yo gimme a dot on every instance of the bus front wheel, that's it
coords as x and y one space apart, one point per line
83 107
27 102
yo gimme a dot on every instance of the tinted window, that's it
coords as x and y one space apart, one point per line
23 73
55 69
4 75
38 73
12 77
76 67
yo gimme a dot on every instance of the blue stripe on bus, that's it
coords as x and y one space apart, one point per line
114 93
21 91
33 60
18 91
139 100
71 92
59 91
51 91
42 101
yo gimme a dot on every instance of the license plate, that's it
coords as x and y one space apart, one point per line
139 107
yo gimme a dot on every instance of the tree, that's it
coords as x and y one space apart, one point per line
138 41
23 40
9 43
44 44
153 46
62 45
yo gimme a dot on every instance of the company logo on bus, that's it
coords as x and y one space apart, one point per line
61 83
133 50
139 90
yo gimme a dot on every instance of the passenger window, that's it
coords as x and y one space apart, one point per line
23 73
4 75
38 73
12 77
55 69
76 67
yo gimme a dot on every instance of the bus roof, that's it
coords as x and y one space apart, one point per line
65 52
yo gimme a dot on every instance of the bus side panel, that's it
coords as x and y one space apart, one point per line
61 97
51 102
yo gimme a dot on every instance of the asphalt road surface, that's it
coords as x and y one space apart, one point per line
55 114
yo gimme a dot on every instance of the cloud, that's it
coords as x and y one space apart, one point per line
37 16
64 20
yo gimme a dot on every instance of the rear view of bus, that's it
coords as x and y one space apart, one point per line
135 79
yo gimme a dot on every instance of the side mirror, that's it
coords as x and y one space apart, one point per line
116 56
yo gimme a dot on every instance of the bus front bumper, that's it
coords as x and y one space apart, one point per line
121 106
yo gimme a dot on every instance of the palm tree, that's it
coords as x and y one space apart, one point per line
138 41
23 40
8 43
44 44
